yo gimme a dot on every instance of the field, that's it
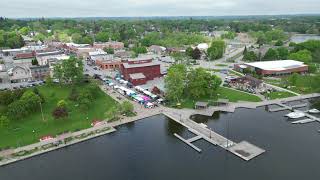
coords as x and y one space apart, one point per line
30 129
279 95
222 93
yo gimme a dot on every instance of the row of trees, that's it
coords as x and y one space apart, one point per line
195 83
11 39
216 50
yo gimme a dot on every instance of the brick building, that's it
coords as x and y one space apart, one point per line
140 70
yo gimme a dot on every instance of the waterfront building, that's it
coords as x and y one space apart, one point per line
274 68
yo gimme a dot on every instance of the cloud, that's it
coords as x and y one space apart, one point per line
91 8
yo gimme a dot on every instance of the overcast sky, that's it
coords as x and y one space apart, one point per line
120 8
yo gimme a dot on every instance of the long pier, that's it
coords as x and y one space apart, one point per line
244 150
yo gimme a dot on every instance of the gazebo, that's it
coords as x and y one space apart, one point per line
201 105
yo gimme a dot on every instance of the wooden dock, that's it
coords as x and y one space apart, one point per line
244 150
286 107
188 142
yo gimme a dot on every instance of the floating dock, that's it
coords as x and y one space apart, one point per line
244 150
284 107
188 142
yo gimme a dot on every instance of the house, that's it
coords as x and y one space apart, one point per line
19 74
139 67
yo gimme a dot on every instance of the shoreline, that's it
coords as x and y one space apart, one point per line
111 125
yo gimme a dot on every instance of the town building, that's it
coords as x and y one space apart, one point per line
19 74
108 62
157 49
4 77
39 72
274 68
109 44
140 70
123 54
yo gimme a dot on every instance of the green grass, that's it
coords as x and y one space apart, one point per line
222 93
222 65
302 86
279 95
20 132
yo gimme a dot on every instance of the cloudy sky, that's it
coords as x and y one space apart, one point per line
119 8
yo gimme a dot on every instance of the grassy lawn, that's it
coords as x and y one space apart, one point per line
303 84
20 132
222 93
279 95
222 65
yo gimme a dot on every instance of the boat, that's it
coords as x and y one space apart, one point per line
295 115
314 111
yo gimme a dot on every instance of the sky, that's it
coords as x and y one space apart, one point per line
128 8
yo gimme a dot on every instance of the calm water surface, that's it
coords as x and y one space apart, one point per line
147 150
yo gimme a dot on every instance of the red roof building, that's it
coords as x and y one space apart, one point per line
138 71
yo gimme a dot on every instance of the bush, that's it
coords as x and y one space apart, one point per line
60 113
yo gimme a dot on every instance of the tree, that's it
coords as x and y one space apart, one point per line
126 108
34 62
109 50
283 53
140 50
4 121
60 113
271 54
201 83
196 53
279 43
49 81
62 104
216 49
302 55
28 103
293 79
113 113
250 56
69 71
102 37
175 82
189 51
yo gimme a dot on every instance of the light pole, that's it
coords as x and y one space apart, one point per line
41 111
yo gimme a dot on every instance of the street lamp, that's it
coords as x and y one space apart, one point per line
41 111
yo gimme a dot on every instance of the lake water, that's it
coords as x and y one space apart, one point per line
299 38
147 150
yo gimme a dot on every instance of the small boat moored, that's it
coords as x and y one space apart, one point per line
295 115
314 111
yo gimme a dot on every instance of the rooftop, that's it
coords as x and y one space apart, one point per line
127 65
137 76
277 65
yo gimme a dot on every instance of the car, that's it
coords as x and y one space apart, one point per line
95 68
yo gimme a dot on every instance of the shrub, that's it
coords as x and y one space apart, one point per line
60 113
